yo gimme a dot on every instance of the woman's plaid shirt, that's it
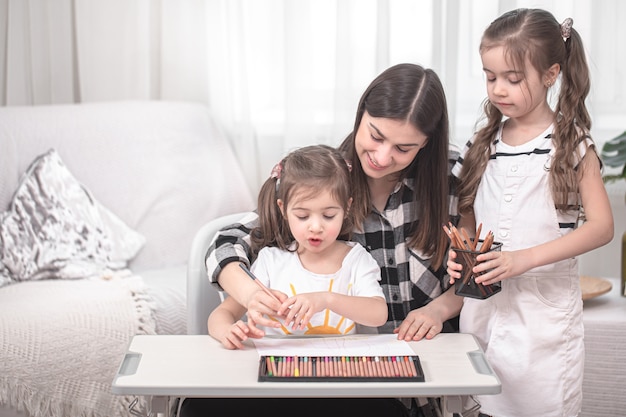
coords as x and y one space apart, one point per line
406 277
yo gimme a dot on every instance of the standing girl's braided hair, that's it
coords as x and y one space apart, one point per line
535 36
303 173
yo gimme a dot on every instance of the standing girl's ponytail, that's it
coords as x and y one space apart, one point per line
575 81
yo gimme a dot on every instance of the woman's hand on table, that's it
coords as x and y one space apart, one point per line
419 323
427 322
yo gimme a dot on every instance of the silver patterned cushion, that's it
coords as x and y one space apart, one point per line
54 228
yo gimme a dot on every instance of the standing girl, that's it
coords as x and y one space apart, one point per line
530 175
303 208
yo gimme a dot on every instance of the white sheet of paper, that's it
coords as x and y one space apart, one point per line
351 345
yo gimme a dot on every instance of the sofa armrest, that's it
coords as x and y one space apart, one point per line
202 296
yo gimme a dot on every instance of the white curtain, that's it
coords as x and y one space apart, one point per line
277 74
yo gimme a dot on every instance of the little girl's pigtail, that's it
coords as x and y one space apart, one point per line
576 79
272 230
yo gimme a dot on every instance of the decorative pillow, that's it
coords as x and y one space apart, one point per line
54 228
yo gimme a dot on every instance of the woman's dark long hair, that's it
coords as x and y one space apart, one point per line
411 93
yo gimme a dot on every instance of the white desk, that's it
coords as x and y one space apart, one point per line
160 367
604 382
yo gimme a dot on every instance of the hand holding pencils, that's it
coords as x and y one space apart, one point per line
467 251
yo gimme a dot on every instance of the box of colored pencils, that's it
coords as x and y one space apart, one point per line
340 368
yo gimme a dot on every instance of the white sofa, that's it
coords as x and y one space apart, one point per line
164 169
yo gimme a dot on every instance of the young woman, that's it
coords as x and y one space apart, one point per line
529 175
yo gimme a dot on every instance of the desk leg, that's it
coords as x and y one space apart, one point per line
448 406
159 406
460 404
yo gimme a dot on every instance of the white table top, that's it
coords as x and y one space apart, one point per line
198 366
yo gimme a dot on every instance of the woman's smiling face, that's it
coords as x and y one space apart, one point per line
386 146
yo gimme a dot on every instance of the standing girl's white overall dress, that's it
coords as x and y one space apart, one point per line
532 331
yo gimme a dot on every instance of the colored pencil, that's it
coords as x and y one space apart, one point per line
368 366
268 363
477 237
347 367
259 283
413 369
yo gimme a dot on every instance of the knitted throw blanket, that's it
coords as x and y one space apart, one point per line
62 341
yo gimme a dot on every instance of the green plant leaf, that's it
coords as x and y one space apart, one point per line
614 151
613 155
614 161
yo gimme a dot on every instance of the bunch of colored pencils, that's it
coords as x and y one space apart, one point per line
341 366
467 249
462 240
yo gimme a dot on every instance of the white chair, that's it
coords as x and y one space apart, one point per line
202 296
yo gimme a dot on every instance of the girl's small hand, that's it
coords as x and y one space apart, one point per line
454 269
237 333
299 309
261 306
501 265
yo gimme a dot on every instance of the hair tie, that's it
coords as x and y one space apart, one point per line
349 164
276 173
566 28
277 170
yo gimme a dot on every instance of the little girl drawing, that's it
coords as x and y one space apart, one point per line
326 284
532 175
